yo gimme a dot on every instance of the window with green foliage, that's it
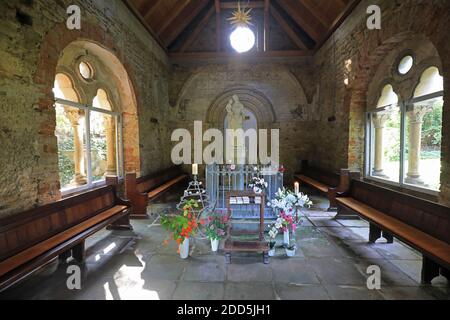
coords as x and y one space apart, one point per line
404 137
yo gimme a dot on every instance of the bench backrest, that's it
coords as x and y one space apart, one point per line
429 217
152 181
33 226
329 178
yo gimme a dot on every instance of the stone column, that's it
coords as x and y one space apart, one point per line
110 131
415 117
379 121
75 116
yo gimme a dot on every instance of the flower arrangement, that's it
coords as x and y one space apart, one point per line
215 226
182 226
258 184
288 201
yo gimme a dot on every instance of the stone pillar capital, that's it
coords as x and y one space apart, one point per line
379 119
417 113
74 115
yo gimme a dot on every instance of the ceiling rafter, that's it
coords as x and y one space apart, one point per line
172 14
196 32
149 7
286 28
218 25
183 20
351 5
303 19
244 4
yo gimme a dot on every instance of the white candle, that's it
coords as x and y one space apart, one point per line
297 187
195 169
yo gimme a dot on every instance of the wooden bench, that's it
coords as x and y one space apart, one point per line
324 181
140 191
421 224
33 238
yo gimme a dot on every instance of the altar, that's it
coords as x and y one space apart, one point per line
223 178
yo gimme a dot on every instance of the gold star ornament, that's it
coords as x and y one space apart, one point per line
241 17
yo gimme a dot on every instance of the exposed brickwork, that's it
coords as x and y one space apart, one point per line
29 55
401 21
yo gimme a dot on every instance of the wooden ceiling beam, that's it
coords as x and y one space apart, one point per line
196 32
244 4
318 12
172 14
303 18
149 7
218 26
287 29
266 24
203 56
129 4
351 5
183 20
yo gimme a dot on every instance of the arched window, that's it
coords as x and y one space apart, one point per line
87 133
404 137
424 131
385 136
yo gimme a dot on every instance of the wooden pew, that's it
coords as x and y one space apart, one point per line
140 191
325 182
422 224
33 238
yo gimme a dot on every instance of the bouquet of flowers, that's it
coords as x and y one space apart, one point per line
182 226
288 201
215 226
258 184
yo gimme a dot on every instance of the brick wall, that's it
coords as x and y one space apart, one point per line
32 36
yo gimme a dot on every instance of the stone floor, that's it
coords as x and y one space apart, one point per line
331 263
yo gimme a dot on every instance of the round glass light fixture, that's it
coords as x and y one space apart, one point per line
242 39
405 65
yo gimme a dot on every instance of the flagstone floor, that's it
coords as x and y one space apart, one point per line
331 263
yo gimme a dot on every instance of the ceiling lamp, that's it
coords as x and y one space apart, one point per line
242 38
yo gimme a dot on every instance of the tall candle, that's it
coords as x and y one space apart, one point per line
195 169
297 187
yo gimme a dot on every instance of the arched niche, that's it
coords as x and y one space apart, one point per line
253 100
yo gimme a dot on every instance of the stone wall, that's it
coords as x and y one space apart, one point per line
286 87
367 49
32 36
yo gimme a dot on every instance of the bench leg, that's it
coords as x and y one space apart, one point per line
78 252
64 256
430 270
266 257
121 224
228 257
388 236
446 273
374 233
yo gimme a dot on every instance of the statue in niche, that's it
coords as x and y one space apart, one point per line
236 113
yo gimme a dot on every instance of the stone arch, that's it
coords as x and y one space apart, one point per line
54 42
252 99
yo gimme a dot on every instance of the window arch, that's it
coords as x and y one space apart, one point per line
404 137
88 126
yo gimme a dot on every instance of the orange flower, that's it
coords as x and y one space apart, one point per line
179 240
165 242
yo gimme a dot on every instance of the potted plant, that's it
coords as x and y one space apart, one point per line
215 227
182 227
291 249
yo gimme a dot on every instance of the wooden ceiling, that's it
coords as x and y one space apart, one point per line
177 24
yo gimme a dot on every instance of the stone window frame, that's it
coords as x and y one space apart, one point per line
402 104
86 90
403 54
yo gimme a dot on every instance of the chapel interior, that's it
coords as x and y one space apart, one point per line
117 181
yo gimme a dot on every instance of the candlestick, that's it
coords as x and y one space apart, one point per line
297 187
195 169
